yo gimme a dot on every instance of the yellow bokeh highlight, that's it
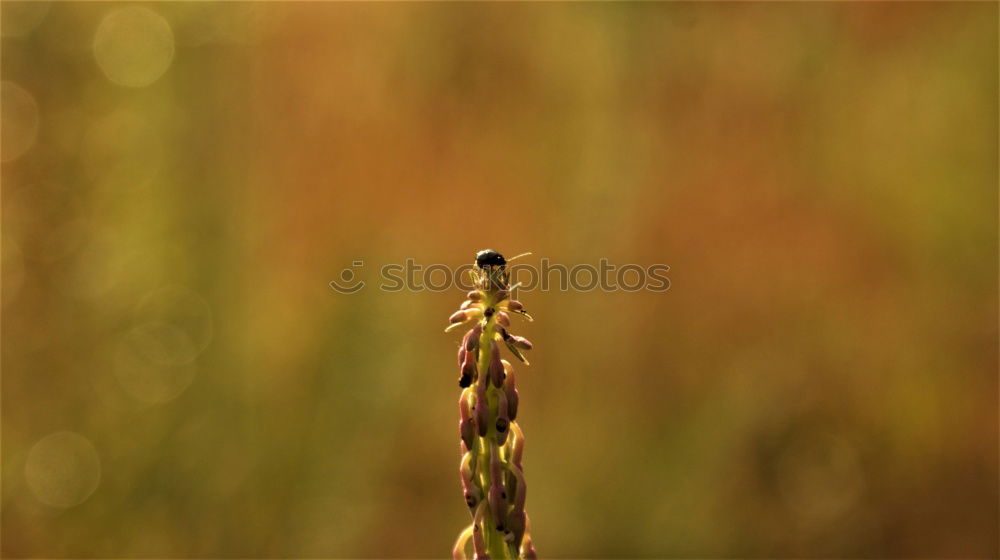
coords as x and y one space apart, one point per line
63 469
134 46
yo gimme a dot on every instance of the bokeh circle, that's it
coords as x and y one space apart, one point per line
134 46
63 469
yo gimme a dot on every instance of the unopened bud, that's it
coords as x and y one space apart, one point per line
517 450
458 317
473 495
474 295
502 422
482 411
469 367
503 319
465 379
467 428
516 526
472 492
497 495
471 340
520 342
503 431
510 392
478 540
515 306
502 412
496 367
463 406
509 481
520 488
470 304
498 505
513 400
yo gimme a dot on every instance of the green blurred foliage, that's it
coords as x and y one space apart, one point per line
181 181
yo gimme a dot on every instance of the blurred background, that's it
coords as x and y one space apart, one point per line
182 180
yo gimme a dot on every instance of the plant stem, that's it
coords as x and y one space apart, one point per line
494 539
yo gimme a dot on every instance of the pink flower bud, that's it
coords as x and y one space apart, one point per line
467 428
466 425
510 391
513 400
516 525
502 423
482 411
496 367
497 495
520 342
472 492
478 541
502 412
498 506
471 340
520 488
515 306
457 317
517 450
469 367
503 319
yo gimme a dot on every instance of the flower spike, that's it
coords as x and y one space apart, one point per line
492 475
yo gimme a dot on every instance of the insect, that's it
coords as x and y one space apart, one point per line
492 274
489 257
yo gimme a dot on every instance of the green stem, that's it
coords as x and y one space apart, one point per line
495 544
